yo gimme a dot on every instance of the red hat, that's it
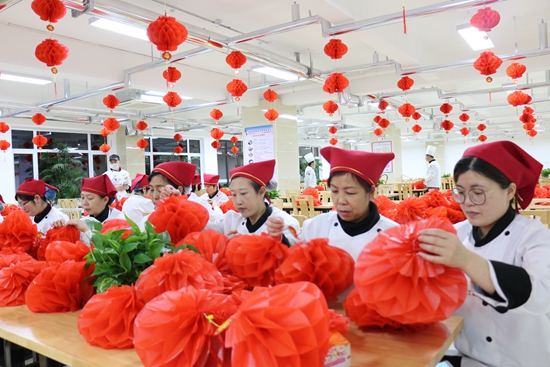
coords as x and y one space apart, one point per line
2 199
369 166
211 179
180 173
260 172
31 187
140 181
514 163
100 185
196 179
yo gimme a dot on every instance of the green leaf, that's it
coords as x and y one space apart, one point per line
135 227
130 246
93 225
150 229
142 259
174 249
164 237
125 261
102 284
97 240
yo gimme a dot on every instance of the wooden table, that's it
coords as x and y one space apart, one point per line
56 336
322 207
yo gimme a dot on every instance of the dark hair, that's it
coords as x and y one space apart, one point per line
197 187
154 174
28 197
309 164
480 166
364 184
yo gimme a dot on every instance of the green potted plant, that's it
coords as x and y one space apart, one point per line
545 173
274 194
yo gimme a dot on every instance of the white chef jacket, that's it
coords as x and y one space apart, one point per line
219 198
433 175
519 336
136 207
310 180
46 222
119 178
113 214
235 221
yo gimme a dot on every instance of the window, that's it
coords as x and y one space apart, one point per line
162 150
228 160
23 167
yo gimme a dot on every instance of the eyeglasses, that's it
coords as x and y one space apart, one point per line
22 205
477 196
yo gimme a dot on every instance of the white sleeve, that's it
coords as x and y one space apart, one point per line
432 172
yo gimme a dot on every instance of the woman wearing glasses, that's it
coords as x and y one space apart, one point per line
34 197
505 256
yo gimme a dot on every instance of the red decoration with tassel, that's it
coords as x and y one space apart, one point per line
384 123
271 115
171 74
270 95
172 99
378 131
406 110
141 126
38 119
405 83
4 127
52 53
485 19
236 88
447 125
519 98
464 117
333 130
330 107
482 138
333 141
235 59
111 102
464 131
335 49
167 34
416 128
39 141
336 83
487 64
105 148
142 143
111 124
383 105
446 108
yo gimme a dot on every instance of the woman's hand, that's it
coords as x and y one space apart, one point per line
275 226
443 247
80 224
58 223
168 190
232 233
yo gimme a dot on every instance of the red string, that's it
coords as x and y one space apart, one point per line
404 20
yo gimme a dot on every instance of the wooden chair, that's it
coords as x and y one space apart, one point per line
385 189
303 205
291 193
324 185
536 204
299 218
278 203
542 215
404 190
301 185
324 197
70 208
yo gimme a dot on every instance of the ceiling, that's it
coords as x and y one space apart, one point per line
432 53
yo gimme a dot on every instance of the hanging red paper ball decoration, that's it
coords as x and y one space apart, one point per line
216 133
416 128
178 149
518 98
49 11
142 143
234 150
111 124
405 83
171 74
528 110
270 95
167 34
104 132
336 83
464 131
515 70
485 19
141 126
482 138
38 119
111 101
4 145
172 99
446 108
378 131
216 144
416 116
271 115
333 130
4 127
330 107
528 125
377 118
406 110
234 139
39 141
532 133
384 123
52 53
235 59
447 126
526 118
104 148
335 49
216 114
487 63
481 127
236 88
383 105
178 137
333 141
464 117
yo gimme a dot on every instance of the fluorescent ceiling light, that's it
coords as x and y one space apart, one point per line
290 117
162 94
277 73
24 78
151 98
476 39
128 30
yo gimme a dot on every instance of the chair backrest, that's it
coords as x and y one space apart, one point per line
536 204
404 190
299 218
67 203
303 205
385 189
325 197
278 203
291 193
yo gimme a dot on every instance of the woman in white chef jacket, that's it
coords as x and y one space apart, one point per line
213 193
248 186
505 256
138 205
310 178
33 196
352 181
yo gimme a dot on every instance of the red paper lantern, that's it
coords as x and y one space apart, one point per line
518 98
383 105
330 107
39 141
447 125
271 115
4 127
104 148
171 74
4 145
378 131
528 110
515 70
172 99
464 131
52 53
384 123
528 125
336 83
377 119
532 133
216 114
234 150
167 34
481 127
234 139
49 11
333 130
485 19
333 141
416 116
464 117
405 83
406 110
142 125
111 101
335 49
178 149
216 133
235 59
416 128
142 143
216 144
104 132
111 124
270 95
38 119
178 137
446 108
487 63
236 88
482 138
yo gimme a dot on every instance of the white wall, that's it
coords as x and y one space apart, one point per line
7 184
413 156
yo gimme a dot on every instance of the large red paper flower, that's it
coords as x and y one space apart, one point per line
175 271
398 284
311 191
211 245
330 268
338 322
7 259
179 217
107 320
15 279
17 233
410 209
227 206
174 329
434 198
60 251
65 233
116 225
286 325
384 203
60 288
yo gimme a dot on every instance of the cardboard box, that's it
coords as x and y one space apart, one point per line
339 354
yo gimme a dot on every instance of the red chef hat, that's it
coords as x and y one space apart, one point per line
180 173
368 166
261 172
140 181
31 187
196 179
514 163
100 185
211 179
